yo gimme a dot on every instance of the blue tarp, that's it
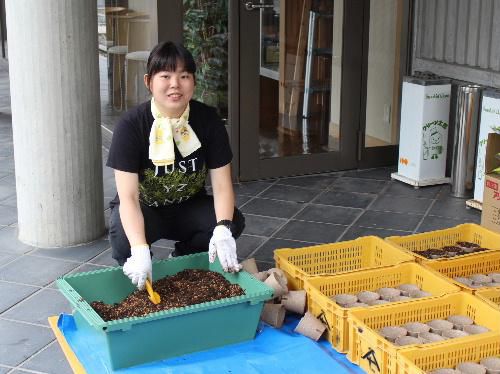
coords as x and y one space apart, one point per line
272 351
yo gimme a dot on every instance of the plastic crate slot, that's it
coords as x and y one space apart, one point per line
437 239
422 310
484 263
424 359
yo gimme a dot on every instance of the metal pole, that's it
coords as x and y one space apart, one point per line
309 56
464 140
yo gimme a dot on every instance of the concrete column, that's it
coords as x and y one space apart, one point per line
54 85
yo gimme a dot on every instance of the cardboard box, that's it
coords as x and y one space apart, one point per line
490 217
490 118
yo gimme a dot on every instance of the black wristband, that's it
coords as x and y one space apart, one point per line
225 222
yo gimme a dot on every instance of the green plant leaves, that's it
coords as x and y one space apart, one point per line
206 36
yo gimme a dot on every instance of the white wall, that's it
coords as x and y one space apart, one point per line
381 67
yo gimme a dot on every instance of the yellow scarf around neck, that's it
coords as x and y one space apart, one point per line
164 132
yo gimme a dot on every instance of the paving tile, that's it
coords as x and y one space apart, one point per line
262 265
9 179
10 201
358 185
402 204
9 242
106 201
12 293
329 214
378 173
266 252
355 232
109 187
5 151
104 259
455 208
403 189
39 307
81 253
4 173
432 223
87 267
7 164
165 243
290 193
241 200
8 215
6 191
19 341
37 271
445 192
250 188
107 172
263 226
5 118
50 360
311 181
310 232
246 244
272 208
160 253
345 199
5 258
107 215
389 220
6 143
80 269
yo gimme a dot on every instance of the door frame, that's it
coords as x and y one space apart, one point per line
370 157
234 84
250 166
353 114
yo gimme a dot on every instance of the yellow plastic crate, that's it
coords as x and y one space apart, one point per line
464 267
424 360
367 252
375 354
320 289
468 232
490 295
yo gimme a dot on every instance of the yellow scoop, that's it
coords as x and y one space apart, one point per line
153 296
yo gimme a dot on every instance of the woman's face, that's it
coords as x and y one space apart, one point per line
171 90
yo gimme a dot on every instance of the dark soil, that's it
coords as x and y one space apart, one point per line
461 248
188 287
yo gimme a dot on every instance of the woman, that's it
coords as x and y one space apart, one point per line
162 151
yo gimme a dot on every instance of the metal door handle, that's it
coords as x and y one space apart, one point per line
251 6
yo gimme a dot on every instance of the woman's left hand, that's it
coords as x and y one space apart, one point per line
223 245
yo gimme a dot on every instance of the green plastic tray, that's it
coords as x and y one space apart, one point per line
161 335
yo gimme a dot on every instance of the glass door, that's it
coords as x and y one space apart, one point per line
298 104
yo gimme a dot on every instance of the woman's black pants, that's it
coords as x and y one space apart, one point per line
189 223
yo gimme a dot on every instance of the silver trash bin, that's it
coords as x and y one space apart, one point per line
465 123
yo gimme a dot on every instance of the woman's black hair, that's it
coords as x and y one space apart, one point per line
166 55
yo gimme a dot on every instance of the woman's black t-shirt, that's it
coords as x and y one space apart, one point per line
178 182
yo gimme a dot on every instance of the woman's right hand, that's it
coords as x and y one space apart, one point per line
138 266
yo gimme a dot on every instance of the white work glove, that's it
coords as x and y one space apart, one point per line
223 245
138 266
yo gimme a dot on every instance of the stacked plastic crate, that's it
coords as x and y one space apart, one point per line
370 263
